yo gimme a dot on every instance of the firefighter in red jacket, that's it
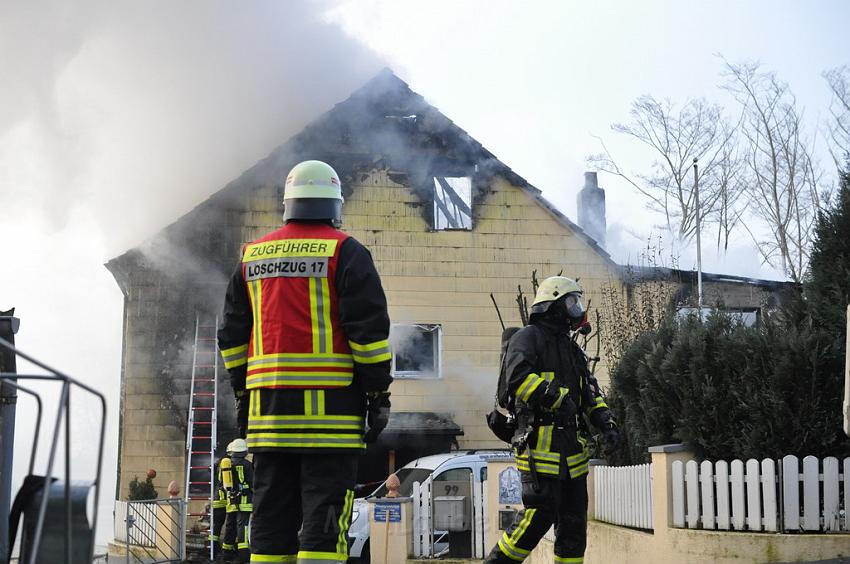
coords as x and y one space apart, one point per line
304 338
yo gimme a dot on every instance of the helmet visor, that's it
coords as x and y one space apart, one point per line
574 305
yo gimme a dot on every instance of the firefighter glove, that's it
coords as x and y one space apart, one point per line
558 399
611 439
377 415
242 403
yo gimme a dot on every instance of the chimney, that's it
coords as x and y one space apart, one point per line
591 208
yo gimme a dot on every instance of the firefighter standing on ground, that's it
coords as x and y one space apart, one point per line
304 337
547 385
218 507
237 477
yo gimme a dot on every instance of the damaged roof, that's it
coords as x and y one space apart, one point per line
382 124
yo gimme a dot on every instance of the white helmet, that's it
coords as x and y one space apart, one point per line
237 446
312 191
554 288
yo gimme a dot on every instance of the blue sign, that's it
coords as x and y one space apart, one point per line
387 512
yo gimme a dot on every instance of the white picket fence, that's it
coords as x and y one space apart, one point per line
762 495
623 495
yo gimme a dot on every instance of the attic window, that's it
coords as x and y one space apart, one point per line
452 203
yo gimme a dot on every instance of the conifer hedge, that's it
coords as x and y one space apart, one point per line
738 392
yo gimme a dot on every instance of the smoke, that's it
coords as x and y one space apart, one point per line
115 119
139 111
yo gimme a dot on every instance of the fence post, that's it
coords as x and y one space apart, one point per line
8 398
591 486
663 457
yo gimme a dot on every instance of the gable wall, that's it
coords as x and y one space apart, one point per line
446 278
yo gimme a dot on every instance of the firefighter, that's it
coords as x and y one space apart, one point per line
549 387
219 504
304 336
237 487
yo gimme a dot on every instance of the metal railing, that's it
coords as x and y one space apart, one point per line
153 530
34 549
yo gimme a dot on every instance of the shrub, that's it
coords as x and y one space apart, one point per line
736 391
142 490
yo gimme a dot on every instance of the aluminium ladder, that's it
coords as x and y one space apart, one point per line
201 431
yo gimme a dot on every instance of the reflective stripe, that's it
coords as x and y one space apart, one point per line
254 409
544 438
511 552
540 467
569 560
225 546
305 440
255 289
507 544
283 248
309 557
298 378
344 523
548 376
371 353
353 422
273 557
320 315
578 471
529 384
310 360
235 356
562 393
598 402
314 403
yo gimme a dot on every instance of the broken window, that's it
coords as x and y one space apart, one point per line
416 350
749 317
452 202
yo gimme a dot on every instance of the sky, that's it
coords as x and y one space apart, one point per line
118 117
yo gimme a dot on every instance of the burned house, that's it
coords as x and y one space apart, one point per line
447 224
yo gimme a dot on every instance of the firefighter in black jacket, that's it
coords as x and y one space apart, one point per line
549 387
304 336
237 479
218 507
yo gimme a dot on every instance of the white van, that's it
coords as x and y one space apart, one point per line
448 467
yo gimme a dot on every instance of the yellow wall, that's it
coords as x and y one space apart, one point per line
446 277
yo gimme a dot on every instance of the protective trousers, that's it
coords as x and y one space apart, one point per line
234 537
311 492
219 514
559 502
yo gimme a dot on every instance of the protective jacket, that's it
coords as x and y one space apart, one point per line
305 330
240 494
537 354
220 499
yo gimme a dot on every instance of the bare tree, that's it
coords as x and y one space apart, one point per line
782 182
676 137
839 83
729 176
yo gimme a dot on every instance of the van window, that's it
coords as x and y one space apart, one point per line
453 475
452 482
406 476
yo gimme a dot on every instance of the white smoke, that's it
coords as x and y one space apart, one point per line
115 119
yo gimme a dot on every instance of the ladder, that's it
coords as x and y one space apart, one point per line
201 431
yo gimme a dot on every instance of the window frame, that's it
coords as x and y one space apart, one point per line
438 354
436 209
